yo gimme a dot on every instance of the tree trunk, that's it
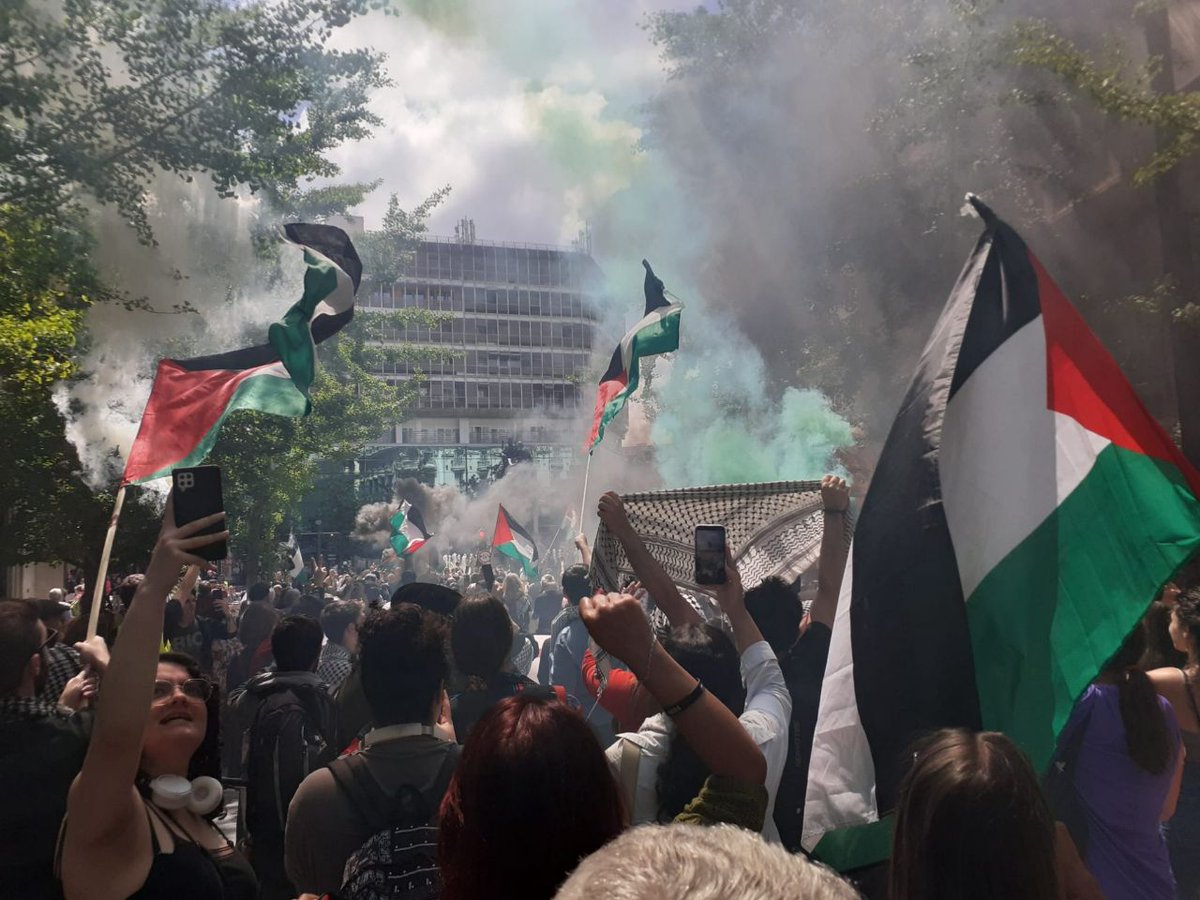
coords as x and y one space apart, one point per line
1178 257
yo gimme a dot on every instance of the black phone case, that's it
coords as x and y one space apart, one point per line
714 572
197 493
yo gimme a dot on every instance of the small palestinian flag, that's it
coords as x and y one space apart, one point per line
513 540
1025 511
295 558
408 530
192 397
657 332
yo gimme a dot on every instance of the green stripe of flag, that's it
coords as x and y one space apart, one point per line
292 337
659 336
1042 622
263 392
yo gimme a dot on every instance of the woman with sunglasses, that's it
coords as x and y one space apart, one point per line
136 826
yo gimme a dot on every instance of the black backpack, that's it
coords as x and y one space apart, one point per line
291 735
400 857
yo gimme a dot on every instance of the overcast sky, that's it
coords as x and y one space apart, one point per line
528 109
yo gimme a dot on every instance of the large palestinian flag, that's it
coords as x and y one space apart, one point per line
408 530
657 332
191 397
513 540
1025 511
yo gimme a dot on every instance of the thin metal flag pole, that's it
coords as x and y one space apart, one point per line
98 589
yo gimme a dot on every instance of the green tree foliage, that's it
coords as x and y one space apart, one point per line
98 100
832 145
100 95
1119 89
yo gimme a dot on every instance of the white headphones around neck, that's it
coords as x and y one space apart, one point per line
201 796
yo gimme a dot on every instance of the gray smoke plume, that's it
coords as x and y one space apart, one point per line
203 261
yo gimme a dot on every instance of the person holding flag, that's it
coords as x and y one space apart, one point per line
191 398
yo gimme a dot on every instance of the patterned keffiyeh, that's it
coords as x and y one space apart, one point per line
772 529
18 708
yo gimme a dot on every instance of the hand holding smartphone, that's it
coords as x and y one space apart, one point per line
196 493
710 554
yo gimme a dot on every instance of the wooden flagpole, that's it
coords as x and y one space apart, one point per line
98 589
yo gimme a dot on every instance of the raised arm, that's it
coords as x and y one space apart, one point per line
732 600
618 624
103 802
831 564
584 548
650 573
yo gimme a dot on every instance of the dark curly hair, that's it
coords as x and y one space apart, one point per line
207 758
707 653
1187 613
481 636
402 657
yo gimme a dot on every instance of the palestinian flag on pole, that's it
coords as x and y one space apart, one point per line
408 530
657 332
1025 511
513 540
192 397
295 558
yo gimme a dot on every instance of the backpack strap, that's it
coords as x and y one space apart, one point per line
352 778
373 807
631 756
441 782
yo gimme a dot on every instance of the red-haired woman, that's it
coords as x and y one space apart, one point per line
532 761
528 761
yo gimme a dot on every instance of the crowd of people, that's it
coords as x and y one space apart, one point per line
388 737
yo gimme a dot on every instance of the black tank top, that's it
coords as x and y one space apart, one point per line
191 872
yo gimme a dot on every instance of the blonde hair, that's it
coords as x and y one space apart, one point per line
720 862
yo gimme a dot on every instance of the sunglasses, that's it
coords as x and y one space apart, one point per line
194 688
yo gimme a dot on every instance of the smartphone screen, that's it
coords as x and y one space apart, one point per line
710 554
197 493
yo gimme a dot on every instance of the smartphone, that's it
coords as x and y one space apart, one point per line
196 493
710 554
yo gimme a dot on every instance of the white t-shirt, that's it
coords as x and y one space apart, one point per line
766 718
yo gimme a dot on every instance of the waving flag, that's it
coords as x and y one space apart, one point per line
513 540
408 530
295 558
1025 511
192 397
657 332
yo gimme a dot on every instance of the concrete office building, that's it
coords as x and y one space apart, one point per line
521 328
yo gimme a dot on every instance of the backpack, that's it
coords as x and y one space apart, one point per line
400 857
290 736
